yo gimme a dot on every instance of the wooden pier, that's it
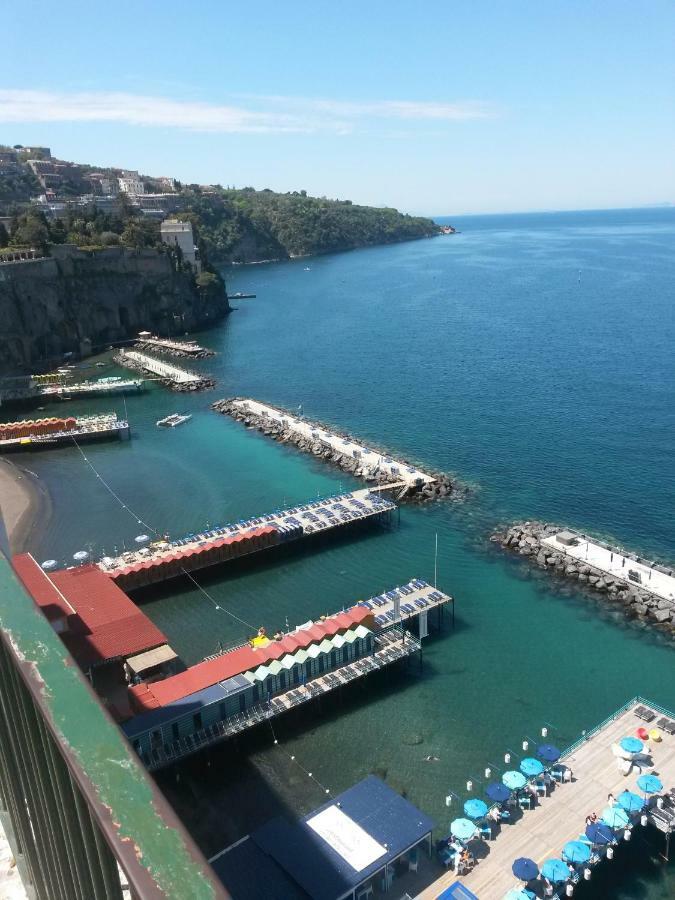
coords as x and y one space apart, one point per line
147 341
101 387
391 646
166 559
411 602
83 429
542 832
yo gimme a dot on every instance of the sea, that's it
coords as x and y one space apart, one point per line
530 355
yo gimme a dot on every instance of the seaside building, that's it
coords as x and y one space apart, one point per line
179 234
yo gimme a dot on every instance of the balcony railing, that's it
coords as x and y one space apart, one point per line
80 812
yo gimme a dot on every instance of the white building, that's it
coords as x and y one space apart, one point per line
130 183
179 234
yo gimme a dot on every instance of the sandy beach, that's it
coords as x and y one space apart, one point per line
24 504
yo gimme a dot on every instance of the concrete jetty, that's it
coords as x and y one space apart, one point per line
98 388
166 559
170 347
646 589
173 376
339 448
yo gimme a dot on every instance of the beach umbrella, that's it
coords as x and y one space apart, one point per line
142 538
80 556
475 809
531 767
631 744
650 784
548 752
518 894
48 565
525 869
630 802
615 817
576 852
497 792
513 780
555 871
598 833
462 829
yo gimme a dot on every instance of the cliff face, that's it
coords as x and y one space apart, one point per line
79 301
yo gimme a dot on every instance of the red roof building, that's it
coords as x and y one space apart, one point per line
96 620
161 693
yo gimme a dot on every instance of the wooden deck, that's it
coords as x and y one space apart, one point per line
542 832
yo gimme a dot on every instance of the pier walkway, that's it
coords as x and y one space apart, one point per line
542 832
102 387
630 569
390 647
371 460
166 559
414 600
165 370
181 348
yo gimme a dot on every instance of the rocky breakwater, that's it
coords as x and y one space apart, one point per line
178 380
525 539
440 486
178 352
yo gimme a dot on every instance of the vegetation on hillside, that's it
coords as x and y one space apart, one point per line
247 225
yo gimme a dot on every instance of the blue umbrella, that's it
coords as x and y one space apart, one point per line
475 809
548 752
525 869
497 792
650 784
555 871
615 817
462 829
630 802
576 852
513 780
531 767
631 744
519 894
598 833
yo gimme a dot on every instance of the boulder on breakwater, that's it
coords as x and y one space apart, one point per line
442 486
525 539
202 353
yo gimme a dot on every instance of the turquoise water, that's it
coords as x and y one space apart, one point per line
533 356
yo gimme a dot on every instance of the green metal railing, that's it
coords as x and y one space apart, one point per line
81 814
587 735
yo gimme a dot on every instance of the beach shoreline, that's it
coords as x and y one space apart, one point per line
24 504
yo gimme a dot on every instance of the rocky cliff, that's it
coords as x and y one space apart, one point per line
78 301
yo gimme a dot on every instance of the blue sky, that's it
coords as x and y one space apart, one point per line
435 107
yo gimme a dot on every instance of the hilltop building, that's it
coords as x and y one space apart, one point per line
130 182
179 234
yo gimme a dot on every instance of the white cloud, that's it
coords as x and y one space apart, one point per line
255 115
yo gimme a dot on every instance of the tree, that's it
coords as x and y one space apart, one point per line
31 231
4 235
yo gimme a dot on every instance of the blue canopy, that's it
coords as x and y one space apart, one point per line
631 744
555 870
531 766
598 833
519 894
630 802
462 829
615 817
548 752
475 808
497 792
650 784
576 852
513 780
525 869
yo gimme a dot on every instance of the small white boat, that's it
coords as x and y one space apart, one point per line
172 420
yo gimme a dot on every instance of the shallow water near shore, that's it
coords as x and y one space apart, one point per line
531 355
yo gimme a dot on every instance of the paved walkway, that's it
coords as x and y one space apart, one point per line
617 565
